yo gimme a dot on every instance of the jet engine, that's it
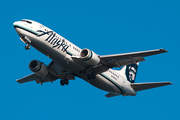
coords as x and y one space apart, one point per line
38 67
89 57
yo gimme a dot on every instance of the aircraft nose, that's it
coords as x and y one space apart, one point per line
16 23
16 26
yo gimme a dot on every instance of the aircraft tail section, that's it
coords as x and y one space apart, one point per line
144 86
129 72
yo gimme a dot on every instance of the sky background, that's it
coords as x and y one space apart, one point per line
106 27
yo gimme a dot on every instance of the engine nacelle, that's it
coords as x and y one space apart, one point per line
38 68
89 57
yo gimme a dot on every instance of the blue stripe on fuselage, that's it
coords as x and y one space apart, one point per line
122 91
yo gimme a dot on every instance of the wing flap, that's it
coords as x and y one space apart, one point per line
126 62
144 86
102 68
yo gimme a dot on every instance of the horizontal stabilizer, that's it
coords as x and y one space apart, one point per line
112 95
144 86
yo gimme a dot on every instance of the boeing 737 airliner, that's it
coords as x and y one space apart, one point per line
70 61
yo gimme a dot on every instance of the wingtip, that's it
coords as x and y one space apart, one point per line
17 80
163 50
168 83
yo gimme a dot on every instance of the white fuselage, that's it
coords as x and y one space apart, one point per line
61 51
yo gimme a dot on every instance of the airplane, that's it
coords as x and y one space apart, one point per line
70 61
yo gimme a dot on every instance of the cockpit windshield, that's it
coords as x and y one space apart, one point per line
27 21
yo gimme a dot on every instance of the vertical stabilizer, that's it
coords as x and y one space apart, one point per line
129 72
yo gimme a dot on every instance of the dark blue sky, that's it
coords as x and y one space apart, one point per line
106 27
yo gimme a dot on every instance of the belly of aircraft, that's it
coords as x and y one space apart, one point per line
103 84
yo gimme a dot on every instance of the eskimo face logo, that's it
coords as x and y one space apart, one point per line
131 72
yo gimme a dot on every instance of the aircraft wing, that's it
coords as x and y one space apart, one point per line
28 78
118 60
144 86
108 58
35 77
55 73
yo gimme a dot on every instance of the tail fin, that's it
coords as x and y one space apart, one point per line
129 72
